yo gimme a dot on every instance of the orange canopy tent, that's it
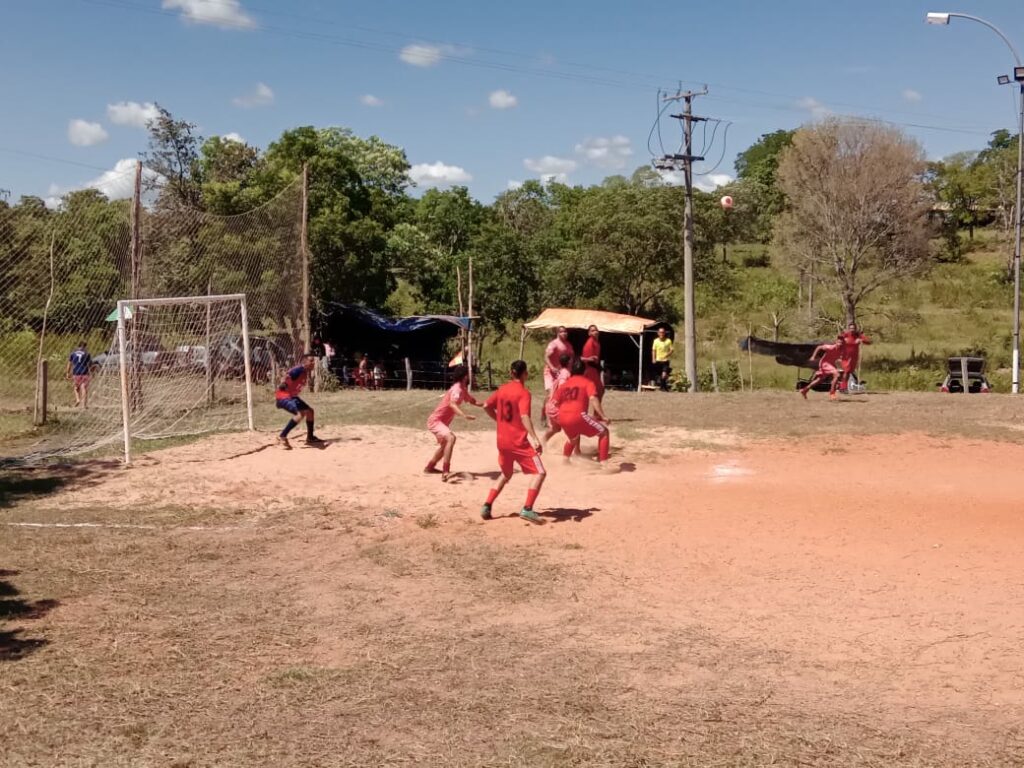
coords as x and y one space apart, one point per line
606 322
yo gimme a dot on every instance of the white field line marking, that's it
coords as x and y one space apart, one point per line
721 473
130 526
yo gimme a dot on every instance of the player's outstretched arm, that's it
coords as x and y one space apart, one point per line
462 413
597 409
818 351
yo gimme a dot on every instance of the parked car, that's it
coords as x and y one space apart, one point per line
977 383
150 351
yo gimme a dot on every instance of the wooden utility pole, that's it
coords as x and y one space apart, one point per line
304 247
685 161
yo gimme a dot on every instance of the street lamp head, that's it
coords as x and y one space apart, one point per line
937 18
1018 74
1003 79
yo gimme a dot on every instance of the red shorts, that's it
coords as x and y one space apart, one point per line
526 458
594 374
81 380
827 369
585 425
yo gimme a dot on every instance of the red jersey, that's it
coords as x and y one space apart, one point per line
573 397
832 353
294 381
592 348
511 402
852 341
444 414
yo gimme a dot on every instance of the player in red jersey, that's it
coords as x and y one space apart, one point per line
578 404
288 400
852 341
550 409
830 354
440 420
592 359
509 406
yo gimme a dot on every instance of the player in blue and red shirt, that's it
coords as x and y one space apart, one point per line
288 400
517 440
79 371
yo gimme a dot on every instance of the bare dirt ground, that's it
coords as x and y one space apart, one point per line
725 599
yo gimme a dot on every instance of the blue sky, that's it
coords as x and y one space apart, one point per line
481 92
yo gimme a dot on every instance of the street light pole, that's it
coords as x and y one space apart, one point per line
1018 77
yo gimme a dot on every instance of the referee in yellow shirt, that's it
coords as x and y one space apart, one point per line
661 354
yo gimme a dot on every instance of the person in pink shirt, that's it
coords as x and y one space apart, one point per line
439 421
559 346
550 409
830 355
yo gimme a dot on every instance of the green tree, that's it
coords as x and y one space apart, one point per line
356 197
759 191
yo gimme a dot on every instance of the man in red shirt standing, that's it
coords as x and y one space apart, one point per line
830 354
852 340
591 357
577 399
509 406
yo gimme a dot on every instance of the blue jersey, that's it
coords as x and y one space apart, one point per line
80 362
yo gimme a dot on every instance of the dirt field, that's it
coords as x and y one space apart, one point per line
748 589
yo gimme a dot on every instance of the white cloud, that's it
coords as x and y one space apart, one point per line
502 99
912 96
429 54
707 183
82 133
233 137
551 167
370 100
421 55
712 181
260 96
226 14
605 152
815 107
513 184
117 184
132 113
438 174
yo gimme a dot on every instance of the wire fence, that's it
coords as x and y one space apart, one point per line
63 270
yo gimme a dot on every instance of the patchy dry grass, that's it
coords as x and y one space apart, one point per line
201 649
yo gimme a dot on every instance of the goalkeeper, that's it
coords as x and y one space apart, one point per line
288 399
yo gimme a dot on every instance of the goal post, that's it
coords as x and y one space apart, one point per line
170 351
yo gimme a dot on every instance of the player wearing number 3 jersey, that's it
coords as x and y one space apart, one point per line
509 406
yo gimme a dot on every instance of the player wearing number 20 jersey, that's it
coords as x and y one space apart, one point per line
517 440
575 399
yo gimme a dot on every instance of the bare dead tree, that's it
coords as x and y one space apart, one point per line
857 208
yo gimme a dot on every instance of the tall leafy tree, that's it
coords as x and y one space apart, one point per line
857 208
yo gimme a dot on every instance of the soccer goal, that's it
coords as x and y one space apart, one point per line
184 366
